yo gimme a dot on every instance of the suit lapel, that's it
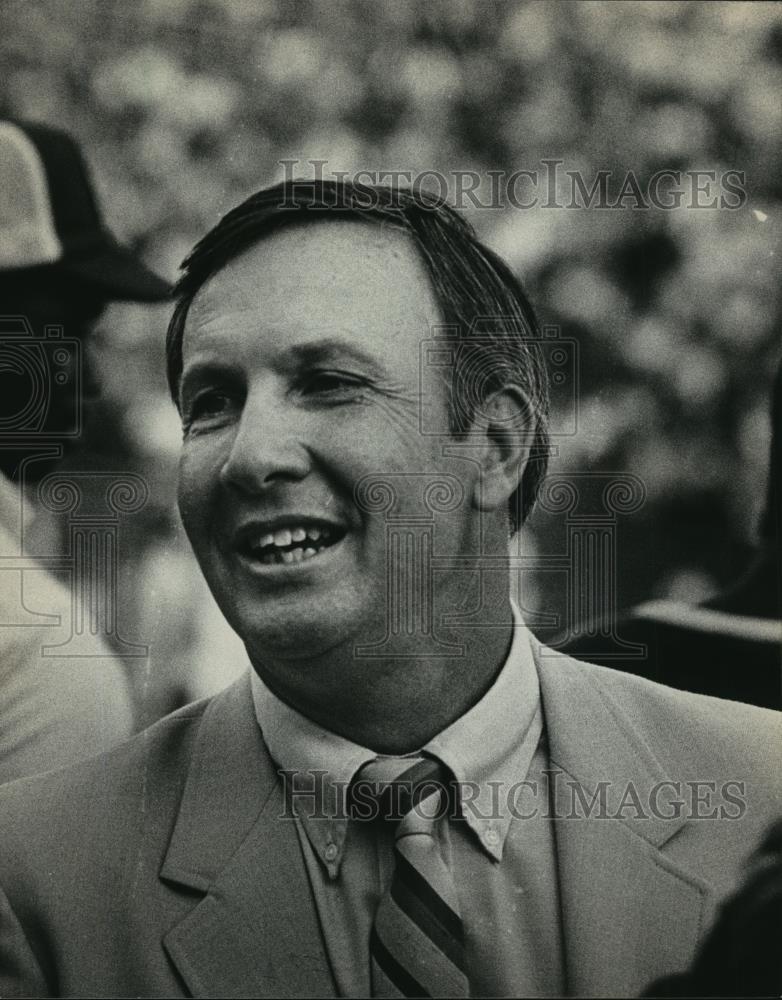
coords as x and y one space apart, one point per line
255 933
629 913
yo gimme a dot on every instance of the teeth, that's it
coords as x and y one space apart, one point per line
286 536
296 555
275 547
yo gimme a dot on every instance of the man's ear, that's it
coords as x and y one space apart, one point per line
503 428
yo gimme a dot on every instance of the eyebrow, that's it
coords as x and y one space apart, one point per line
325 350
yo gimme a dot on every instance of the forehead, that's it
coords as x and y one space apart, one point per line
315 281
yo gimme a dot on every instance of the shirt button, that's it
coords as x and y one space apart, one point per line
331 852
492 838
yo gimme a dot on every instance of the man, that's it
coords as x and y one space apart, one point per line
58 269
729 646
405 796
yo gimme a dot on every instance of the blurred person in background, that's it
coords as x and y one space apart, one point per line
729 646
59 267
740 957
217 854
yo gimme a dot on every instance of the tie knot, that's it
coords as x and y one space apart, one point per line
392 788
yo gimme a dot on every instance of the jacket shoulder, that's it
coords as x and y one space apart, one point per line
104 804
706 732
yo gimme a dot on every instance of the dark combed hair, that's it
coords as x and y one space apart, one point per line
485 311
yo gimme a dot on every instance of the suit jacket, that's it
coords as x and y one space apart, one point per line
164 868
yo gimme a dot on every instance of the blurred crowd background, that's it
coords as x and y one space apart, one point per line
183 107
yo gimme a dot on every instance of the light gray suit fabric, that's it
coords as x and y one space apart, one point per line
164 868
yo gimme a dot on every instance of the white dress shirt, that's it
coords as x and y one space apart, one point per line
504 865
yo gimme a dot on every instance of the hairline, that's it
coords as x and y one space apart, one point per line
305 223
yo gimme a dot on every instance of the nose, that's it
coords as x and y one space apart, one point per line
267 447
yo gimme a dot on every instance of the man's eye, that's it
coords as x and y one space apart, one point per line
210 405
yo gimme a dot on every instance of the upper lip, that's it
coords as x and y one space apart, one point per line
250 531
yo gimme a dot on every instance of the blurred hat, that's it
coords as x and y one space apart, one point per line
49 215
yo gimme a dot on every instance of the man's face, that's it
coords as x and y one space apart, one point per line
301 377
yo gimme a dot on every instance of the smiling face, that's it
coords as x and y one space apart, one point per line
301 377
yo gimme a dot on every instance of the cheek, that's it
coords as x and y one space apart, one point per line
199 477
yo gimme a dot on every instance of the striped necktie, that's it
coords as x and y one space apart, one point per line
417 941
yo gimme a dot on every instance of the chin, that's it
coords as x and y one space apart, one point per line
292 632
301 619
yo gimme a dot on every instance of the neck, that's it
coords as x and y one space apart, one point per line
394 704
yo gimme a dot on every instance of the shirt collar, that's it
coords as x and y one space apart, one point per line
316 766
489 750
